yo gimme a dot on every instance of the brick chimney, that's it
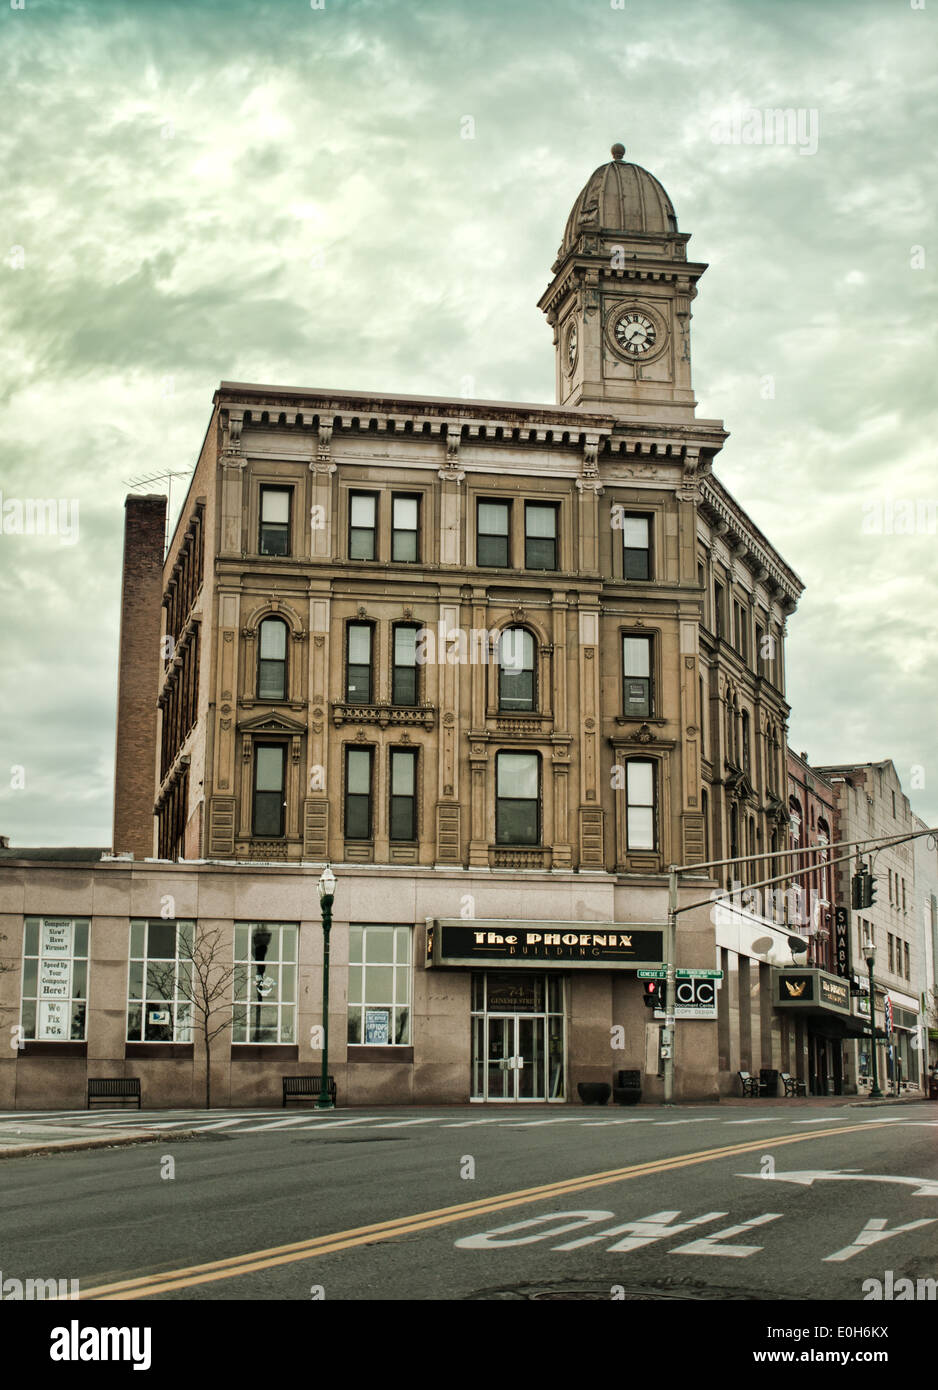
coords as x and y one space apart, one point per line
138 674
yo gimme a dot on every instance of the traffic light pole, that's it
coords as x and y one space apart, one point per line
670 1001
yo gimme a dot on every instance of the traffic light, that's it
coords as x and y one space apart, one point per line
856 884
654 994
863 887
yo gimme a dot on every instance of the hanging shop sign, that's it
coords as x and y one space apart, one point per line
811 989
693 998
592 945
842 941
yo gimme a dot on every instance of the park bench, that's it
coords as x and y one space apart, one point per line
114 1088
793 1087
306 1088
749 1083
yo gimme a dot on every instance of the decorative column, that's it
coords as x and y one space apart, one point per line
316 797
591 816
322 519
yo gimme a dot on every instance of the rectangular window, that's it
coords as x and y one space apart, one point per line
404 671
264 985
358 793
492 541
540 536
403 794
636 546
275 521
636 675
890 952
363 526
379 986
159 981
719 603
741 620
760 650
269 761
55 978
517 803
905 951
640 805
358 664
405 516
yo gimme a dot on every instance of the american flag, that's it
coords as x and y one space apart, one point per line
888 1011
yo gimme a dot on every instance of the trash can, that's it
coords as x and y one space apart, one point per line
628 1088
768 1082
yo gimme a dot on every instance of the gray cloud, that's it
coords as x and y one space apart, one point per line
209 190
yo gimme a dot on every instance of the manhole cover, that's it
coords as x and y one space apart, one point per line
573 1290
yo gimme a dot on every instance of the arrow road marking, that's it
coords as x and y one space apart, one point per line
925 1187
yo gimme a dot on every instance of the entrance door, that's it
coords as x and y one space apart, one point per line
518 1036
514 1064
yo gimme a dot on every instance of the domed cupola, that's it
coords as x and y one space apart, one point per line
619 197
619 300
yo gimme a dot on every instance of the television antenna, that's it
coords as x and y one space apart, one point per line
165 478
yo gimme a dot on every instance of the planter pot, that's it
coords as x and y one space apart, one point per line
594 1092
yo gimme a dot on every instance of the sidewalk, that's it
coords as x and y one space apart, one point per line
21 1138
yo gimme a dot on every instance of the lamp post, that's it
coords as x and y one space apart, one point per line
326 894
869 955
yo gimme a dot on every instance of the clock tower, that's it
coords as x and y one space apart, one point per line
619 301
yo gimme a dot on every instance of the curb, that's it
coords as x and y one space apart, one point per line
102 1142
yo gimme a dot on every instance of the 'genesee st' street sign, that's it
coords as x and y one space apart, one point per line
595 945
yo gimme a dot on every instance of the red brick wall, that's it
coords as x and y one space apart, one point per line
138 674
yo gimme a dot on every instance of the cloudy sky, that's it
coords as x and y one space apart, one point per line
273 192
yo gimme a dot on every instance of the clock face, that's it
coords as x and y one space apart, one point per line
571 347
635 334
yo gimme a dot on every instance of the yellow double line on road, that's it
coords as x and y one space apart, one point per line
147 1285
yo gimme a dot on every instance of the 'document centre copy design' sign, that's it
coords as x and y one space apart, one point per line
597 945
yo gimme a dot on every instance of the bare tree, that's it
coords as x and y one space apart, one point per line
203 981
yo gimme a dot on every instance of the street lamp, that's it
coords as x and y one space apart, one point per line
326 894
869 955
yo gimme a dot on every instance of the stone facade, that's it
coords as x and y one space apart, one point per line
347 578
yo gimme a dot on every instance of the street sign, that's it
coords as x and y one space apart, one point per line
658 973
693 999
699 974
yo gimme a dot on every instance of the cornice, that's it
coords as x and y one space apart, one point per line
748 544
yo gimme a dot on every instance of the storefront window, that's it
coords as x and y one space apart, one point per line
159 981
379 988
264 1009
55 979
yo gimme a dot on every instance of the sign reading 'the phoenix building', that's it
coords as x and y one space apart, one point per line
600 945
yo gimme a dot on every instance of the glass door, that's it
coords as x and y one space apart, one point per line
500 1040
517 1053
529 1078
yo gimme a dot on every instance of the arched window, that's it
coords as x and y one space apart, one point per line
516 677
746 763
272 660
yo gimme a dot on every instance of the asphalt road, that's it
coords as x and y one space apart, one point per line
690 1203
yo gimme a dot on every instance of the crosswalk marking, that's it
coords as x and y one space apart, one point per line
235 1122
